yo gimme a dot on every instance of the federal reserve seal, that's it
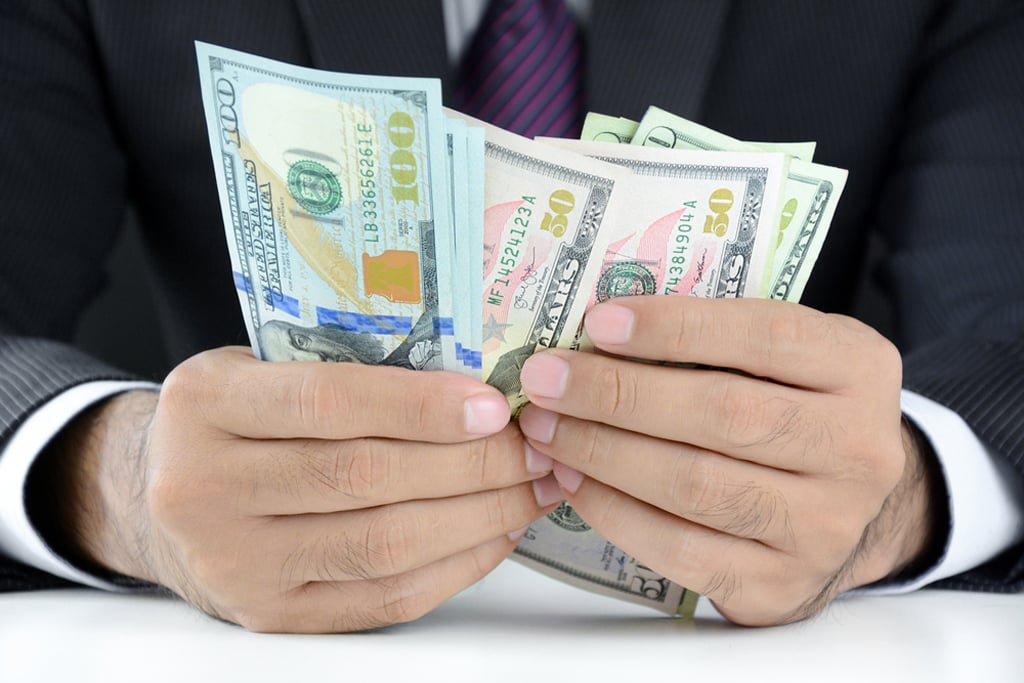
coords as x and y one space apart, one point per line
628 278
314 187
565 517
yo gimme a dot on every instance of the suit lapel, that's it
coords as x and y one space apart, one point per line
634 47
345 35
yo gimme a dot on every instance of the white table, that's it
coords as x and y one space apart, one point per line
518 626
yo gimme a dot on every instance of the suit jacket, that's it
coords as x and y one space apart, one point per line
922 100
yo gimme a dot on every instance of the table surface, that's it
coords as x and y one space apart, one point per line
518 625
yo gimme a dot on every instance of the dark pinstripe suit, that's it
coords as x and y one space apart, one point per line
923 100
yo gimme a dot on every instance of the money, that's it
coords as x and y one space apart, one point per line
807 203
547 213
564 547
604 128
366 223
660 128
698 223
333 190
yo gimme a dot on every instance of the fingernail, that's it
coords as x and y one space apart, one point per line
544 375
486 413
546 491
609 324
537 461
517 534
568 478
538 424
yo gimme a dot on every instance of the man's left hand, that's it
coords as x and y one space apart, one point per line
769 490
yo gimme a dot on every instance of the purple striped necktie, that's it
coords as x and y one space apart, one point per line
522 70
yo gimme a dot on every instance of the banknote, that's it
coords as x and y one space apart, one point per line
547 213
696 223
476 161
807 203
659 128
810 197
334 194
563 546
466 246
604 128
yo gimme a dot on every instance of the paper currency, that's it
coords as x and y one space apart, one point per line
564 547
660 128
806 207
697 223
367 224
604 128
547 213
334 194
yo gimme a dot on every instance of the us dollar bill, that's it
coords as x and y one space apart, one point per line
335 199
659 128
695 224
565 547
604 128
548 213
807 202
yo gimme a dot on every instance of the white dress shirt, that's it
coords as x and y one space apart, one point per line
986 502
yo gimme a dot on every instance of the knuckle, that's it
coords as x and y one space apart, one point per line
695 482
388 545
487 460
586 442
887 468
401 602
213 573
418 410
187 387
783 332
887 359
359 470
618 392
317 399
171 498
740 411
503 509
834 539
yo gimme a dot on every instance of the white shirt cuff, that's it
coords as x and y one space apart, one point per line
986 500
18 538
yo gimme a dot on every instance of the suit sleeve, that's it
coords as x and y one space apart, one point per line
951 214
62 196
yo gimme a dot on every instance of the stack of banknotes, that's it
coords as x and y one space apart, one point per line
367 223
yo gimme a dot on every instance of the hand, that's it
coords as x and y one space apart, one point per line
770 491
305 496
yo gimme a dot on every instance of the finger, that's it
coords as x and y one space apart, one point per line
749 582
329 607
394 539
784 341
296 476
743 417
258 399
710 489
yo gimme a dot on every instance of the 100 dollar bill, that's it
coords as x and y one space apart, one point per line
334 195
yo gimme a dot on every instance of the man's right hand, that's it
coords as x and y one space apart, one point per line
304 497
